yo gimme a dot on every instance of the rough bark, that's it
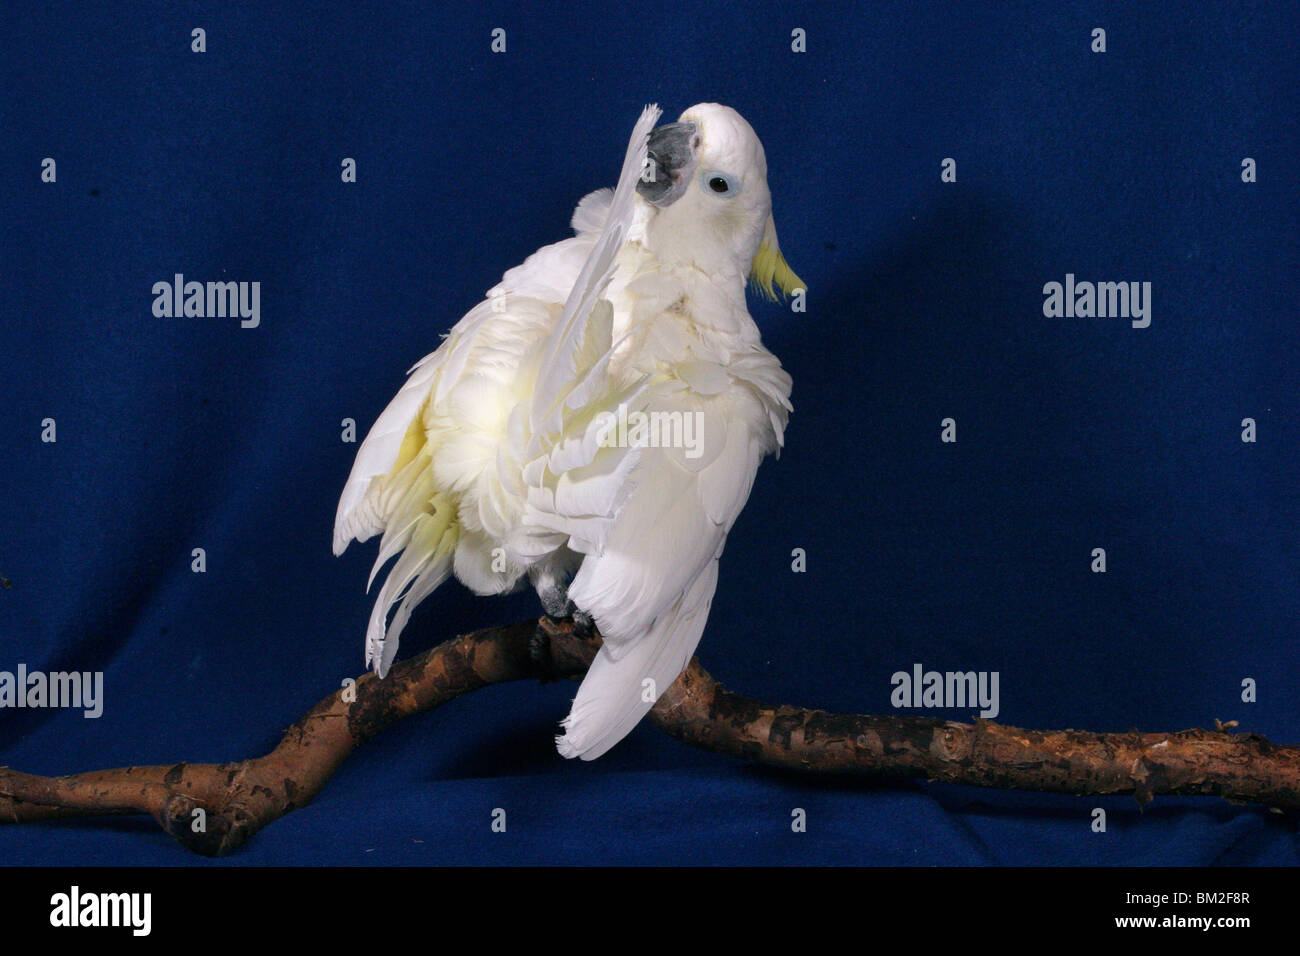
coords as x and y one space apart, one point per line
238 799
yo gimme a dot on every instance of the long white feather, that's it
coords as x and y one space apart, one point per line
560 361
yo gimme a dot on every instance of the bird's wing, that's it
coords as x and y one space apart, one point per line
573 272
650 586
360 512
439 473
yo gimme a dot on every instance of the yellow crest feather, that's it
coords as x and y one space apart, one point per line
769 267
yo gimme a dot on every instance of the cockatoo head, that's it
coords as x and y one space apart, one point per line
711 208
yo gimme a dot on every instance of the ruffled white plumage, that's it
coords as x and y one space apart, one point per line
489 463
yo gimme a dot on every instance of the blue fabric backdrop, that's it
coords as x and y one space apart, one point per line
925 302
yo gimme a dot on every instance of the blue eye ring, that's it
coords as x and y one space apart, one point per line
718 183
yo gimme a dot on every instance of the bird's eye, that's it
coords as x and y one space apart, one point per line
718 183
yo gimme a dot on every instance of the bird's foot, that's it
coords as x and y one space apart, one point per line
584 625
555 602
539 649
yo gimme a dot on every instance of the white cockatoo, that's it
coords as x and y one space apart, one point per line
595 424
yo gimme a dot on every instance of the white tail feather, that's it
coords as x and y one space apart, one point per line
616 694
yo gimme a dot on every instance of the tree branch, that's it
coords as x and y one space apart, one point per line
238 799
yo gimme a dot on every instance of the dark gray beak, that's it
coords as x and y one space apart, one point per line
672 161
